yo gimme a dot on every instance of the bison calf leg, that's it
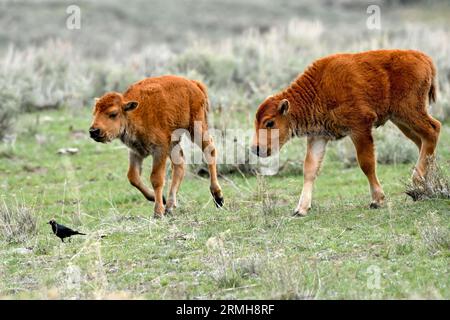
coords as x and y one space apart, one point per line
134 175
365 152
409 133
177 159
315 151
428 129
157 179
209 152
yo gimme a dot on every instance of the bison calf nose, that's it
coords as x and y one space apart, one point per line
94 132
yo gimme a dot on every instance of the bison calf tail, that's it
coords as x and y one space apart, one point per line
432 94
433 91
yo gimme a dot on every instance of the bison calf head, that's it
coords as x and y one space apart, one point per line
110 116
271 127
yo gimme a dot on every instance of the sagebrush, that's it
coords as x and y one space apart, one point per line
17 221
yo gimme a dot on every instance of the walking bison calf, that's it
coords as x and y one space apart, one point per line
146 118
346 95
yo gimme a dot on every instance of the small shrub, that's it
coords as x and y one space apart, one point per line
268 204
217 69
435 184
8 107
234 271
46 77
6 119
435 237
224 271
17 222
287 281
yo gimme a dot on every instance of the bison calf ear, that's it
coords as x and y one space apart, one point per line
283 106
130 106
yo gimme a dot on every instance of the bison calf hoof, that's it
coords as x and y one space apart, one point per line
158 215
170 206
218 198
374 205
159 211
300 213
218 201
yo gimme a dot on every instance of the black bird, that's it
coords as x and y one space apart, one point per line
62 231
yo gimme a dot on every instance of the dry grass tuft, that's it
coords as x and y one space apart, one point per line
435 184
435 237
17 222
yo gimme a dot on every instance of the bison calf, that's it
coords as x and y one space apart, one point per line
346 95
146 118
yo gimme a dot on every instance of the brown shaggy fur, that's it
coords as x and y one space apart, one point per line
147 118
349 94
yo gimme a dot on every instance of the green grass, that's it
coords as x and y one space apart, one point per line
251 249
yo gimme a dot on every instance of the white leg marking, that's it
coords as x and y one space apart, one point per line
315 152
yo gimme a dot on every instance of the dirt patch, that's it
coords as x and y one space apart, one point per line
35 169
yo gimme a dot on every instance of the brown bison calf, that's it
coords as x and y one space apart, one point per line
146 118
348 94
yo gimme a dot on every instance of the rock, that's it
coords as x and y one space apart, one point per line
22 250
69 151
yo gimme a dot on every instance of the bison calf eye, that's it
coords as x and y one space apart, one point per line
270 124
113 115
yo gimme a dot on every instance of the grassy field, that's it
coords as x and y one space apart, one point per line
252 248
